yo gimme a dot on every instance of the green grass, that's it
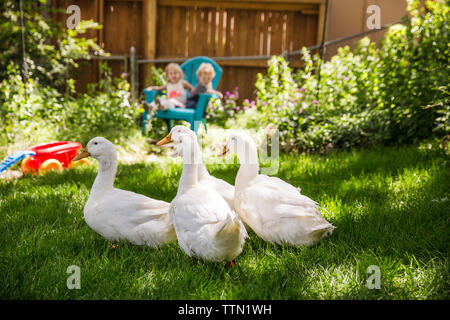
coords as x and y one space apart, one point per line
390 207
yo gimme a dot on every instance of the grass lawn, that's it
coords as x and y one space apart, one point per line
390 206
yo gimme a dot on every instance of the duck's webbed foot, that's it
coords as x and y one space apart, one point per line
230 264
113 246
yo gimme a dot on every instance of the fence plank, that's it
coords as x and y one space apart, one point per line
176 36
221 39
277 34
149 35
311 30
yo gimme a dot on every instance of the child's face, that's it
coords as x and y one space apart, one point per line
173 75
204 78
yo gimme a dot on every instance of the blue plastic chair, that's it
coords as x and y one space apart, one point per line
193 116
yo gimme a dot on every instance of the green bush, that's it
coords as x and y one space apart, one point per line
27 109
33 112
158 77
40 104
393 94
219 112
104 110
51 51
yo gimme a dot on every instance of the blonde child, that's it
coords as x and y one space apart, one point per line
205 76
176 89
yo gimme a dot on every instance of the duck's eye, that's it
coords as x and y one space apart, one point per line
95 142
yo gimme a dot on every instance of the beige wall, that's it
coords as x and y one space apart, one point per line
347 17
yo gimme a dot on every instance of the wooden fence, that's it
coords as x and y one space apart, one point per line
171 29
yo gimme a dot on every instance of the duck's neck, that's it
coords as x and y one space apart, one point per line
105 177
188 177
249 165
202 172
191 163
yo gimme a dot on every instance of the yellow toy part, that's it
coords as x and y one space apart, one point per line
25 166
81 162
49 165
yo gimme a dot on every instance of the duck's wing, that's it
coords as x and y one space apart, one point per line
270 199
119 215
198 207
197 216
132 208
280 184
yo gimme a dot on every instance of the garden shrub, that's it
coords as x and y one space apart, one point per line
158 76
27 110
40 104
33 112
392 94
106 110
52 52
220 111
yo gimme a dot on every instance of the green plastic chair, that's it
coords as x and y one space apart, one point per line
193 116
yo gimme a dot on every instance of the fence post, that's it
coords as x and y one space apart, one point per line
149 8
133 66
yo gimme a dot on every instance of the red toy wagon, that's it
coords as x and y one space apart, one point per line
51 156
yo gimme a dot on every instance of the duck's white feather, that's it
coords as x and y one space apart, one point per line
205 225
276 210
124 215
225 189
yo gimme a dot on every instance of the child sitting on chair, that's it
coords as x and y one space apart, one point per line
205 76
176 89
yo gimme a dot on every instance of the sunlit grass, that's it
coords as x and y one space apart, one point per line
390 207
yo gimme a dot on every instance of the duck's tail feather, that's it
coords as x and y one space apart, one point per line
231 235
321 233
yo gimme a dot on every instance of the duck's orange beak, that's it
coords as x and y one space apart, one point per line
83 154
224 152
167 139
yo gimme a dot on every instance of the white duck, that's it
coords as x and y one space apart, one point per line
273 208
225 189
119 214
206 226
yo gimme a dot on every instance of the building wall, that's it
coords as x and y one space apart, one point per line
347 17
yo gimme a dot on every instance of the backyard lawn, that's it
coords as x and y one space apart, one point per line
390 207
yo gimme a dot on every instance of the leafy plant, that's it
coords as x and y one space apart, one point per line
393 94
51 52
219 112
27 109
106 109
39 102
158 76
33 112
